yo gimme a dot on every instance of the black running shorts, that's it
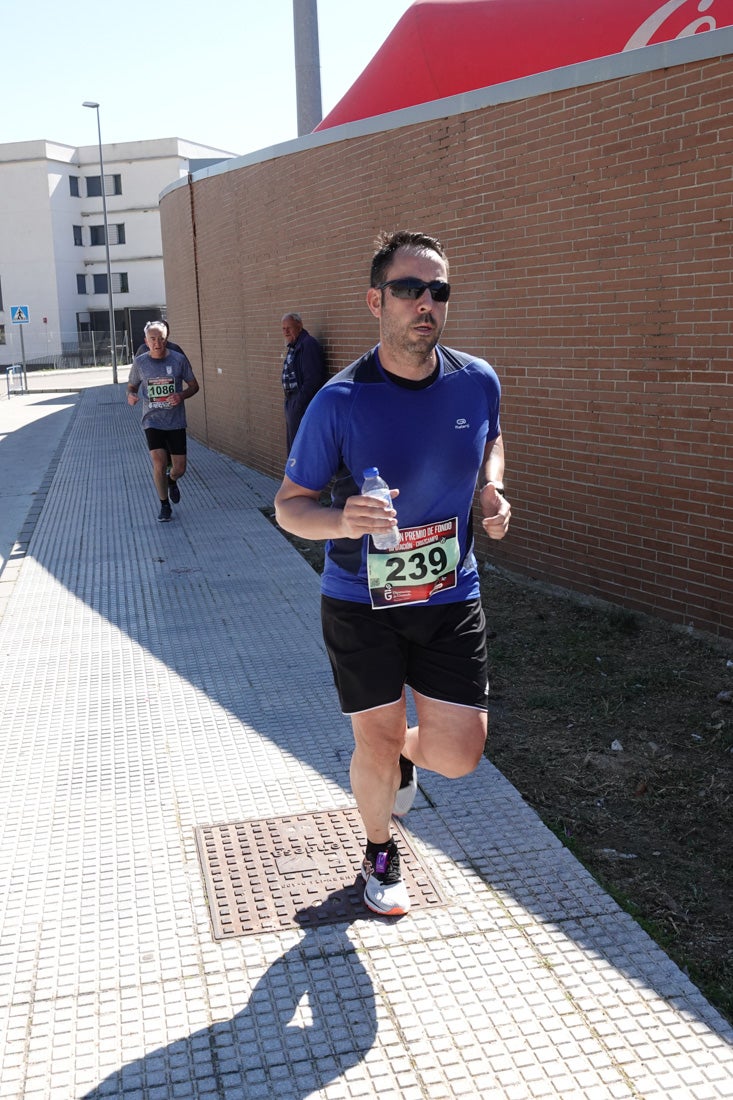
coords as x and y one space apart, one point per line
174 441
438 651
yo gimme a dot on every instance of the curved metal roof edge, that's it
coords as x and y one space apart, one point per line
661 55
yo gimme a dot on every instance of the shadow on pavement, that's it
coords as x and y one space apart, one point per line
308 1020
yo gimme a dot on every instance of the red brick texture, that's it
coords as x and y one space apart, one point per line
589 234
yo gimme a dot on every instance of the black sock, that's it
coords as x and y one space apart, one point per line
384 859
385 846
406 770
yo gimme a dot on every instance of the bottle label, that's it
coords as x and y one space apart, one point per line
426 562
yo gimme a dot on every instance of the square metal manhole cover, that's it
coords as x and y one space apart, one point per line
302 870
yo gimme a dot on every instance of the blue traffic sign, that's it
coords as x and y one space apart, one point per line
19 315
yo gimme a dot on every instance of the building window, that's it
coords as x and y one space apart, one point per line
81 284
119 283
2 334
74 186
112 186
1 297
77 235
116 234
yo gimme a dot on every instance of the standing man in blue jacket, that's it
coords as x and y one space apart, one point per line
304 372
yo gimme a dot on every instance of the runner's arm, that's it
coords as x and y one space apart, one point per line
300 512
134 381
495 508
191 387
493 463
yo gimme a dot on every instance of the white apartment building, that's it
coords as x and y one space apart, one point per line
52 245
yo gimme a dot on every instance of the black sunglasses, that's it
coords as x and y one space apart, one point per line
415 288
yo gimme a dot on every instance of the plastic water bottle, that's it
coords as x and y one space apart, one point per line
375 486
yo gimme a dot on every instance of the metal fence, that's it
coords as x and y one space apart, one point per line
87 349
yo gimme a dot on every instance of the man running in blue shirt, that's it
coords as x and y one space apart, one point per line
428 417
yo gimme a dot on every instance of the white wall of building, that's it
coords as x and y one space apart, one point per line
42 223
27 263
62 327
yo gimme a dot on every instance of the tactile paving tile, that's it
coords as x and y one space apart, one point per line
300 870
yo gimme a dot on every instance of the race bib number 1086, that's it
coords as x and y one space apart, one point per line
160 392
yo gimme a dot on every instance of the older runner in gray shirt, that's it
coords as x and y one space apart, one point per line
164 379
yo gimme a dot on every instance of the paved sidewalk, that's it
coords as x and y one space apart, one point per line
31 428
157 678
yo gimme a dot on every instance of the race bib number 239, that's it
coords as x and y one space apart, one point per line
426 561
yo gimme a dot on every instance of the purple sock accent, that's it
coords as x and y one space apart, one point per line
381 864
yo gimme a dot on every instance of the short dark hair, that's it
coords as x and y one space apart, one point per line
389 243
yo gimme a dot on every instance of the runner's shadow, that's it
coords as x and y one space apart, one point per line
309 1019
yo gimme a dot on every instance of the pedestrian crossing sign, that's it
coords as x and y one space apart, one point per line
19 315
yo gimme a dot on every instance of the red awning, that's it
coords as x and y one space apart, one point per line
444 47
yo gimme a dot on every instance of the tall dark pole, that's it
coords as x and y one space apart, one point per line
307 65
113 341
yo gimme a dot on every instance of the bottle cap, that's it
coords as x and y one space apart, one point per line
371 471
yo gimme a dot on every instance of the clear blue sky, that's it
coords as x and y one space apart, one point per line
219 72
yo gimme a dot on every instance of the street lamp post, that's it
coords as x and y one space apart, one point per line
88 103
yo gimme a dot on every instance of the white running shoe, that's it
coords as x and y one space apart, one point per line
405 796
385 892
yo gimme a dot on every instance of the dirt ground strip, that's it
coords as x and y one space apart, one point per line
618 730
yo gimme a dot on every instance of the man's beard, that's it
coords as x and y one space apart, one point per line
408 342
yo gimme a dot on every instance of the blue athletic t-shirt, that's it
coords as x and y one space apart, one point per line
429 443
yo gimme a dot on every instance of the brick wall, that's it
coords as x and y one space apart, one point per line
589 234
